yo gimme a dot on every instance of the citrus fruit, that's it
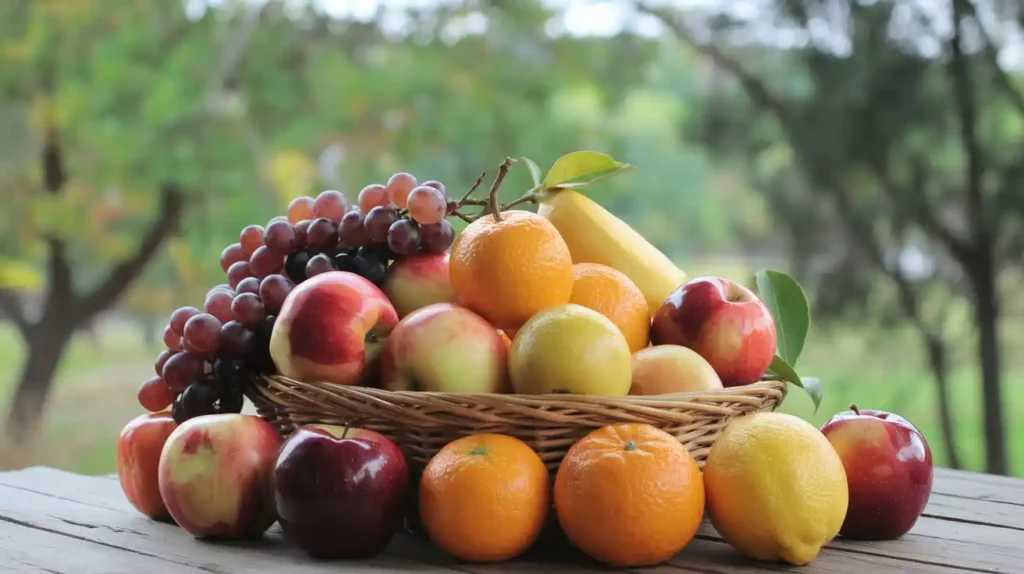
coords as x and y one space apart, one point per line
629 495
570 349
612 294
485 497
776 487
508 270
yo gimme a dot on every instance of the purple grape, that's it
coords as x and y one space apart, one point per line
404 237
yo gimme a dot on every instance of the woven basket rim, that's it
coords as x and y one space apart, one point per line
725 394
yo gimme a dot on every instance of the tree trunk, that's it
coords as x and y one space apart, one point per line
986 318
940 370
46 346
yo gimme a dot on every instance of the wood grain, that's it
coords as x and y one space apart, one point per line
54 521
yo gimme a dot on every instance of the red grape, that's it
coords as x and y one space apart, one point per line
427 205
399 186
202 333
248 309
330 204
300 208
251 239
319 264
161 360
235 340
222 287
265 262
377 223
280 237
273 291
351 231
238 272
197 400
438 186
404 237
438 237
278 218
172 340
218 304
301 233
180 317
155 395
232 254
322 234
248 285
373 195
182 369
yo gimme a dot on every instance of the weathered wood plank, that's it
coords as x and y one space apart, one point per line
972 511
978 486
118 529
963 546
716 557
955 535
24 549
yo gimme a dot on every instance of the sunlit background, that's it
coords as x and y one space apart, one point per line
873 149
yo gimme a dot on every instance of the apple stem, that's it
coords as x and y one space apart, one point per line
855 409
344 433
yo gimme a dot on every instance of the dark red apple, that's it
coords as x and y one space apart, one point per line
888 468
722 321
341 492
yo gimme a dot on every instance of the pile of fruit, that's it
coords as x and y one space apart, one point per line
569 299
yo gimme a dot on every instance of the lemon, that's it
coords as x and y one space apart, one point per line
776 488
570 349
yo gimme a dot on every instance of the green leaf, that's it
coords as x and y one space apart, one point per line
783 370
572 167
789 308
535 173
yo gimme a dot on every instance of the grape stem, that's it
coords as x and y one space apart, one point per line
491 205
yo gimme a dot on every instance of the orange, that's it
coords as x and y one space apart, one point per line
629 495
609 292
508 270
485 497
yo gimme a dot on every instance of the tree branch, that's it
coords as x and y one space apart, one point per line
753 86
966 107
123 274
1002 78
13 310
912 201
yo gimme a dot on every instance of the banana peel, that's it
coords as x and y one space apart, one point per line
595 235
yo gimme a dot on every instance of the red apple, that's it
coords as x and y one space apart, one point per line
445 348
341 492
888 468
138 459
417 281
724 322
216 475
330 328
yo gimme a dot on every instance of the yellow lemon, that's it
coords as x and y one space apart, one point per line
776 489
570 349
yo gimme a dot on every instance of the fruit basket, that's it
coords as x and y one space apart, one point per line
420 423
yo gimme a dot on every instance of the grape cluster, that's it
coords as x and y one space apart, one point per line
213 353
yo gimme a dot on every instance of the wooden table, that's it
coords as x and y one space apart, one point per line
54 521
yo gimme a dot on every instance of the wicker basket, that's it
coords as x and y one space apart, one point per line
421 423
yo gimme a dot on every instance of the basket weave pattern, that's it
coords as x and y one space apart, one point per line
420 423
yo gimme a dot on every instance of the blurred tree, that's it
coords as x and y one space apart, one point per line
234 108
903 144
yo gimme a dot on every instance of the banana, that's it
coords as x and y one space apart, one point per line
594 235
